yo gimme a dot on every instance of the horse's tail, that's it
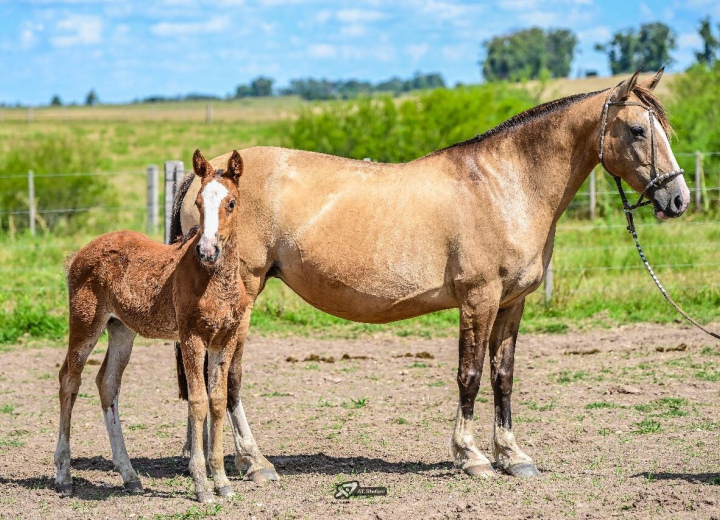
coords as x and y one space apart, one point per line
175 223
176 235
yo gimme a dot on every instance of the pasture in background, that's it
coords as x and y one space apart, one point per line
89 173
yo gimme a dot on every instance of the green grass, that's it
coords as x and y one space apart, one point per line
7 408
600 405
648 426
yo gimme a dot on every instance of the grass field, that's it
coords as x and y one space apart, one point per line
599 280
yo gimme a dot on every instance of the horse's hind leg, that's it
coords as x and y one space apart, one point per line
477 314
248 459
85 329
120 343
508 455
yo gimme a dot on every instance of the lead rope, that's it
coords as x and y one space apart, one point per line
627 209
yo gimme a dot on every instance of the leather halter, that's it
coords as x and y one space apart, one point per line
656 176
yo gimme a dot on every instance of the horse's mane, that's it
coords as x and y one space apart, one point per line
644 95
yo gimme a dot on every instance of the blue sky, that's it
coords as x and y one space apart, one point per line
129 48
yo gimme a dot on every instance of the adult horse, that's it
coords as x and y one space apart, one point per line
470 227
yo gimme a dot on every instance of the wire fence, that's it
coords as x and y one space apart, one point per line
574 258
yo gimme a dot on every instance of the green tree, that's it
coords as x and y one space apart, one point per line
56 101
261 86
711 44
92 98
647 48
529 54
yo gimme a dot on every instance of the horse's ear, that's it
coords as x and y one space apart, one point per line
201 166
625 88
234 168
651 83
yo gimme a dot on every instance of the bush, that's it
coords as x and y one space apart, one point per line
386 130
51 154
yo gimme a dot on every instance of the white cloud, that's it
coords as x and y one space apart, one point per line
359 15
353 30
323 16
417 51
216 24
78 29
596 34
322 50
689 40
28 34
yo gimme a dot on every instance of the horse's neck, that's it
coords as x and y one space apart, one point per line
551 156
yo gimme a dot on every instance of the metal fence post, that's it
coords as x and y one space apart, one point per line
698 180
31 200
208 113
173 170
593 196
153 209
549 282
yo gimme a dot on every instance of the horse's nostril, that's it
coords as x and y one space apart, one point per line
677 202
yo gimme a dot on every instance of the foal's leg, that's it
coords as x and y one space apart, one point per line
248 459
218 361
508 456
120 343
193 350
477 314
85 329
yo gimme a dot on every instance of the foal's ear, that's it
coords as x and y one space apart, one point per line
201 166
234 168
651 83
625 88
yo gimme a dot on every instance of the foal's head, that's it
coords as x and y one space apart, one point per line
636 148
217 203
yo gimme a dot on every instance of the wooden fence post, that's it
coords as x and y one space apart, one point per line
208 113
31 201
173 170
153 209
549 282
698 181
593 196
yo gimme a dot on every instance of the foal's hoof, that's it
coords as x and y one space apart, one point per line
135 487
65 490
263 475
205 497
225 491
523 470
481 471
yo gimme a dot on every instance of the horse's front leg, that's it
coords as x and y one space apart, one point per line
248 459
508 456
218 361
477 314
193 351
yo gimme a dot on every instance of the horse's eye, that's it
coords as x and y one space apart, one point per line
231 205
637 131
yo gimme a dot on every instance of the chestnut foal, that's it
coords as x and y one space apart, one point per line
189 291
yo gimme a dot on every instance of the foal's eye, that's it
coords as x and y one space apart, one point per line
231 205
637 131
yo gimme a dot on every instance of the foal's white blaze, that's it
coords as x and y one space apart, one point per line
213 194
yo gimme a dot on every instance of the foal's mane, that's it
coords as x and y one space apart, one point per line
645 96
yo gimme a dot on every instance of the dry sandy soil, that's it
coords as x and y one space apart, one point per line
386 421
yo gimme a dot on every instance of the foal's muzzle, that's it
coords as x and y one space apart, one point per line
207 250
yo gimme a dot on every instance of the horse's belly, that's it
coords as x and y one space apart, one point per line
368 294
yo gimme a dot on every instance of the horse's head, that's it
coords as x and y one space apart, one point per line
217 203
634 145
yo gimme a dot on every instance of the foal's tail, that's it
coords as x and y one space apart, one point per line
176 235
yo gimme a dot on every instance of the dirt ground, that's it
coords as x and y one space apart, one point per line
622 423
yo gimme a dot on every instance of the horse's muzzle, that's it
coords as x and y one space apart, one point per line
207 250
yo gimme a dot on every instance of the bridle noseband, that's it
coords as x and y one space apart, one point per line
655 180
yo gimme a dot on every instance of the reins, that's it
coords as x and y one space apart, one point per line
628 209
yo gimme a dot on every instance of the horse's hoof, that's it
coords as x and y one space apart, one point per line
225 491
481 470
263 475
65 490
135 487
205 497
523 470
